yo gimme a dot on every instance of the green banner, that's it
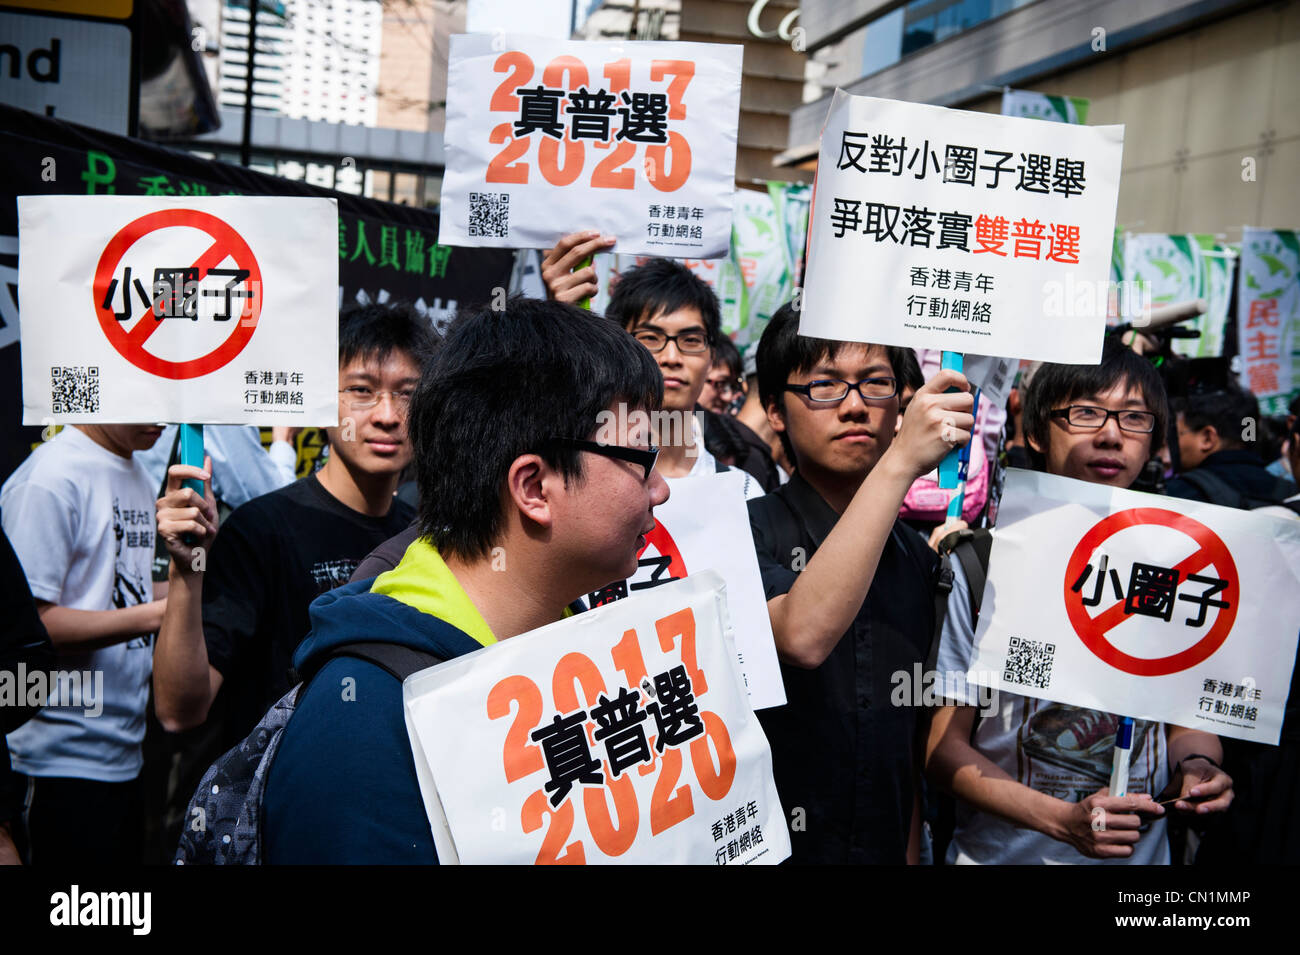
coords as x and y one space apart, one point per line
1045 106
1268 316
1181 267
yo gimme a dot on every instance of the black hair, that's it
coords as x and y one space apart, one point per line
908 371
505 383
372 332
783 352
726 353
660 287
1055 386
1225 410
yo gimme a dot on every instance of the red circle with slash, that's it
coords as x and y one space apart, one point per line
226 242
666 546
1092 630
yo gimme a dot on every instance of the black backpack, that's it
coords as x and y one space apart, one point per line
971 548
223 823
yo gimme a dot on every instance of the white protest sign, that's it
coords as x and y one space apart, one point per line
704 525
944 228
1141 605
200 310
636 139
617 735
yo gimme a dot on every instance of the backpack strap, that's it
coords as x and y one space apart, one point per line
942 589
972 550
395 659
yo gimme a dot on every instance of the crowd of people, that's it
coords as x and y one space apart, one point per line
452 451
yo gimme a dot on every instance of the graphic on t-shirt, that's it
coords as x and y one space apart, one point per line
328 574
130 587
1078 739
132 529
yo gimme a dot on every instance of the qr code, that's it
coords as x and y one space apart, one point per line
489 213
1029 663
75 390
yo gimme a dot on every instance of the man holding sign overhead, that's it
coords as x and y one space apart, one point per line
849 587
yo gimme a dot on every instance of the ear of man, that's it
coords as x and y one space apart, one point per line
529 489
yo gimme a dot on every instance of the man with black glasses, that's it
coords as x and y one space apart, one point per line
522 511
236 630
675 315
849 587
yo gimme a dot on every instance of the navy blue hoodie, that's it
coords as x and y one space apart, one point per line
342 788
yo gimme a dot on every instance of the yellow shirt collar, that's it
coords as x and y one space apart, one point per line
423 580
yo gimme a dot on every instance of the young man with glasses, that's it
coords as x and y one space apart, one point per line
1031 780
676 316
723 385
236 616
522 510
849 587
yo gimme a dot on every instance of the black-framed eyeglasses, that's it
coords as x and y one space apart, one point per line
688 343
1093 418
837 389
646 457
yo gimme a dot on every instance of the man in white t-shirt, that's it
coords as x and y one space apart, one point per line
1031 779
80 515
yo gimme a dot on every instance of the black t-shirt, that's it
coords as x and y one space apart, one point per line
841 750
272 557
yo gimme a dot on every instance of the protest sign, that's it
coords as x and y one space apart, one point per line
178 310
617 735
1147 606
1268 316
1169 268
760 271
704 525
1045 106
943 228
547 136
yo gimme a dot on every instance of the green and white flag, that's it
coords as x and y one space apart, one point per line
1180 267
1268 313
1054 109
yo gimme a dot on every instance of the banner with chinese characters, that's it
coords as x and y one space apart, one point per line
620 735
1268 316
1177 268
704 525
636 139
963 231
196 309
1170 610
1045 106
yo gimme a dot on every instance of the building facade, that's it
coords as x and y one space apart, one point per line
1208 90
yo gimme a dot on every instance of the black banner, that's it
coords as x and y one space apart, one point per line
386 251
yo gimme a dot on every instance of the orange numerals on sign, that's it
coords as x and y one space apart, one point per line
612 172
614 831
